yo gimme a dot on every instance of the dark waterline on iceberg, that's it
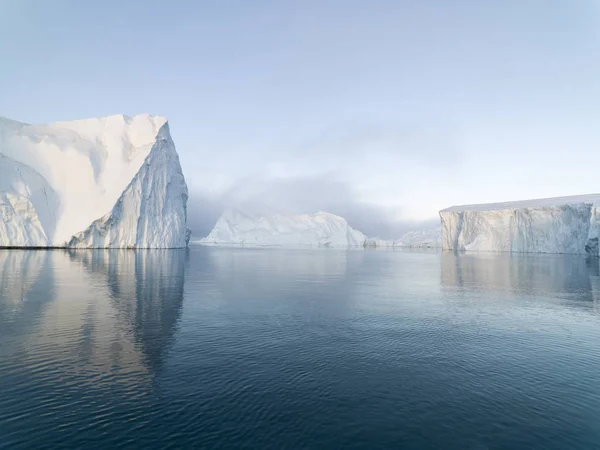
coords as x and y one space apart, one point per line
268 348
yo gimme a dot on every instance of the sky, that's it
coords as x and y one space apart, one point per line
384 111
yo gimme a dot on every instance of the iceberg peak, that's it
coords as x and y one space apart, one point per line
113 181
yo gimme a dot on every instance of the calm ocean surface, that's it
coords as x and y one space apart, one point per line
298 349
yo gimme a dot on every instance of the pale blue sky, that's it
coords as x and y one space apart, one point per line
380 110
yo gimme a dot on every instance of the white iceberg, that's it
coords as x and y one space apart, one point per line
97 183
322 229
551 225
425 238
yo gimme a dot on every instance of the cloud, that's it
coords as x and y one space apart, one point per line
297 195
360 170
419 142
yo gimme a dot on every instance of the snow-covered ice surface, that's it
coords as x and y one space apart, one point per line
551 225
28 205
108 182
322 229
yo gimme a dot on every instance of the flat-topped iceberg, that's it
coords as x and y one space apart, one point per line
550 225
285 230
97 183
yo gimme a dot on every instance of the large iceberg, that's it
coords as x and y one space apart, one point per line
321 229
551 225
97 183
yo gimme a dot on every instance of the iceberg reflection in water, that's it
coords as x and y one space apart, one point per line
568 278
98 312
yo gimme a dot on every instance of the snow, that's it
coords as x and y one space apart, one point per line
321 229
114 182
28 205
553 225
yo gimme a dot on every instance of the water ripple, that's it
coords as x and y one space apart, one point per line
225 348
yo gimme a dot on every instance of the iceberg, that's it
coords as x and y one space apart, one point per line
425 238
550 225
322 229
111 182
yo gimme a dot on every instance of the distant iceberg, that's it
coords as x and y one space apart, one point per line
425 238
550 225
321 229
97 183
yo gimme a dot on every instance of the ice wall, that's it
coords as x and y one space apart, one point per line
554 225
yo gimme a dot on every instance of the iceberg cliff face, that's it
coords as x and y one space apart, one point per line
151 212
554 225
108 182
321 229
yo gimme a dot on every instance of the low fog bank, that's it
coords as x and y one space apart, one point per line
297 196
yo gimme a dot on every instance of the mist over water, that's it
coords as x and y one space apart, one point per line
301 195
270 348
